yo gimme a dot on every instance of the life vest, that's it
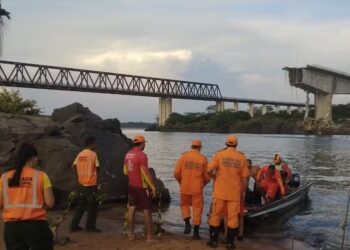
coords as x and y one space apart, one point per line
26 201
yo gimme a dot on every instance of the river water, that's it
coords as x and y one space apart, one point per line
323 160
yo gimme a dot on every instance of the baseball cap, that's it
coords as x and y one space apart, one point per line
231 140
197 143
138 139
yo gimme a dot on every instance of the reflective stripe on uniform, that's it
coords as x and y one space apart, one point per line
34 203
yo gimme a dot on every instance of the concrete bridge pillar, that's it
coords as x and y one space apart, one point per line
251 109
235 107
165 109
323 106
264 109
289 110
220 106
277 109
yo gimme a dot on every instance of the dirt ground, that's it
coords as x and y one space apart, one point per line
111 222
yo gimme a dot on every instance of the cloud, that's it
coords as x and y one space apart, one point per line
241 45
137 57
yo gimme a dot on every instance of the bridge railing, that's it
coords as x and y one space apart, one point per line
25 75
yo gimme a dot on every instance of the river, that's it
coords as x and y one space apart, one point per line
323 160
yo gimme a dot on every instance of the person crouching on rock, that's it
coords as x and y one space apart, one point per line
86 166
140 182
24 194
191 173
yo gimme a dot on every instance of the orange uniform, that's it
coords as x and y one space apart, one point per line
230 167
191 173
26 201
270 183
86 165
284 167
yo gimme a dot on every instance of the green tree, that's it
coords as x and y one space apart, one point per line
12 102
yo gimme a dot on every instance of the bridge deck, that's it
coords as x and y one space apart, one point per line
27 75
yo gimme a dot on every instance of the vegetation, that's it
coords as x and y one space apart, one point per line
12 102
241 122
135 124
341 112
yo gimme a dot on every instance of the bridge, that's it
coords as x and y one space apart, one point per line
27 75
323 82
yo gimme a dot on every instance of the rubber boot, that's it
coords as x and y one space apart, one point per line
214 235
187 226
231 234
196 235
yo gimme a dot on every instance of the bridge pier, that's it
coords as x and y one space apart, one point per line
165 109
264 109
277 109
251 109
235 107
220 106
289 110
323 106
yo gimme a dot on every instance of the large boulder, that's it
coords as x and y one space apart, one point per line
56 155
59 140
62 115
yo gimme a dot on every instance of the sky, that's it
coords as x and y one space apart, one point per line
242 45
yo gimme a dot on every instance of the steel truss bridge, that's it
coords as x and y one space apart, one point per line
28 75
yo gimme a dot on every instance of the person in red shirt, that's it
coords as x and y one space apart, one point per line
141 186
191 173
270 182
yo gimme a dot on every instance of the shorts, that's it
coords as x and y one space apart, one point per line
139 198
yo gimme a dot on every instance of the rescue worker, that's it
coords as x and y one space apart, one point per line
229 169
285 171
25 193
270 182
141 187
86 167
191 173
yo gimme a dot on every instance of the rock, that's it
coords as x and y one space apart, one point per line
56 156
162 190
111 150
59 140
6 148
61 115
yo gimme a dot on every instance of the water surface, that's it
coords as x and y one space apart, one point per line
323 160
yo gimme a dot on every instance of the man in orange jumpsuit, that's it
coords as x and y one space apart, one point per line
191 173
229 169
270 182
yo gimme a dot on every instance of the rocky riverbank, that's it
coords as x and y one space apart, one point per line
59 138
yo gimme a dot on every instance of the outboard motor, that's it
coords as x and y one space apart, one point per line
295 181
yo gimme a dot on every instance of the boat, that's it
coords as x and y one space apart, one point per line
280 208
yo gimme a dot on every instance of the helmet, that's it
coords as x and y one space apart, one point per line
277 159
